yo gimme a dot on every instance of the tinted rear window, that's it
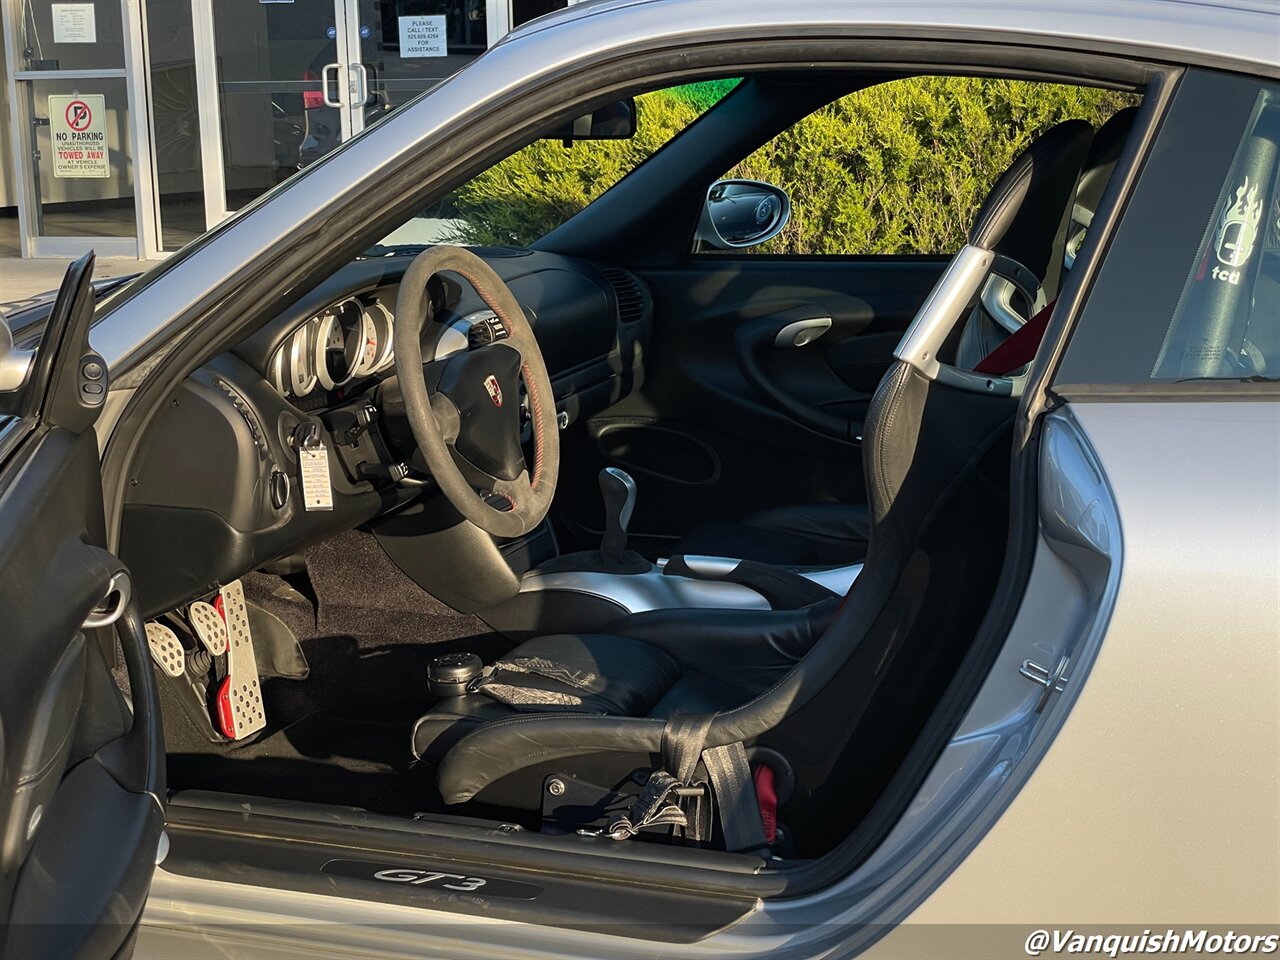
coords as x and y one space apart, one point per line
1190 288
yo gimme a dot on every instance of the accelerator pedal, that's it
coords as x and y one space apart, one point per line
166 649
240 708
209 627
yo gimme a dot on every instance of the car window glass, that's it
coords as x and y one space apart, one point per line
902 167
1189 284
1227 322
534 190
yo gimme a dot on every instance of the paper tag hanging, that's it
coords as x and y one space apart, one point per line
313 467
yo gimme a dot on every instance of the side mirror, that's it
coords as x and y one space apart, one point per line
742 213
613 121
14 363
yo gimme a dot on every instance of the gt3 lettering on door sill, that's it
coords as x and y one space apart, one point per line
431 878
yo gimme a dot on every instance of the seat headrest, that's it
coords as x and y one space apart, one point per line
1103 155
1022 215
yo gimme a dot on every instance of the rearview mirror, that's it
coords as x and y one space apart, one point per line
742 213
613 121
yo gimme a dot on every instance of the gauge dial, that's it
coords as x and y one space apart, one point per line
381 321
278 371
302 374
339 344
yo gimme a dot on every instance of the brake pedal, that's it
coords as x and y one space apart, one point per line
166 649
209 627
240 708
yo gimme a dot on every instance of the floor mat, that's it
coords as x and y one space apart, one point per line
367 631
360 592
342 735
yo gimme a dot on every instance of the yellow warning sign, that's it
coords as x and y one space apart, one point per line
79 130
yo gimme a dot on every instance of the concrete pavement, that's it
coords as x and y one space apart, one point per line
21 280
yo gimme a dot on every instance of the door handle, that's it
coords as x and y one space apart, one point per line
113 603
789 330
324 84
360 84
802 332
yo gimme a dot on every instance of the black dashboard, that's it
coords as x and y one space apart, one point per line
216 487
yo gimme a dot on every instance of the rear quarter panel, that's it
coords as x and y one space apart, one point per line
1159 802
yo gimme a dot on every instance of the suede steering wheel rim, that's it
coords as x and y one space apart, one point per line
515 497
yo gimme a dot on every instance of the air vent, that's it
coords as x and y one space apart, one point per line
629 293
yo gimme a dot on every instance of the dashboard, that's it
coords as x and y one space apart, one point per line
219 477
344 342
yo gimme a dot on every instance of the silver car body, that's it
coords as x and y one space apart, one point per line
1158 533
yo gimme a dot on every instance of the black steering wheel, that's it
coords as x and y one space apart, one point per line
464 410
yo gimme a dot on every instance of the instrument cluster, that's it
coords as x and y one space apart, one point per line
348 341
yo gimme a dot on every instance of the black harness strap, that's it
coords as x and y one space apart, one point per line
735 795
672 797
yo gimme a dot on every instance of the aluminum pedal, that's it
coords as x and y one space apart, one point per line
209 627
240 708
166 649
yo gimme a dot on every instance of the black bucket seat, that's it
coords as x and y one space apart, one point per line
839 689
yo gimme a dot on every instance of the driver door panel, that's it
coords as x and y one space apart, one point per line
81 775
728 422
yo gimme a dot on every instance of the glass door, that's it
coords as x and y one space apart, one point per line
281 89
280 83
75 136
402 47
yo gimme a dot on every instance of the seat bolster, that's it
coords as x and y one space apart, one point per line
746 648
450 720
494 750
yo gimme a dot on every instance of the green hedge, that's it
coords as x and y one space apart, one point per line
897 168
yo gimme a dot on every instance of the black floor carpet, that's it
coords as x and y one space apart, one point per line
320 759
341 735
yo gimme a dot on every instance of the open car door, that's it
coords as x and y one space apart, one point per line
81 762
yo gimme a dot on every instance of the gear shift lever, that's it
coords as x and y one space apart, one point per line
619 493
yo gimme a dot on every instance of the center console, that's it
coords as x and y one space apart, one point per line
584 591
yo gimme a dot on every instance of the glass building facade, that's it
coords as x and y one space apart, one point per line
132 126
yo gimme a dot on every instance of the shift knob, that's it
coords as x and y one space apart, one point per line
619 493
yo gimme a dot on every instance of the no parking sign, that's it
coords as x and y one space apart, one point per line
78 127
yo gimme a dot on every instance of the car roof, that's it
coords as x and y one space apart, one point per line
1231 34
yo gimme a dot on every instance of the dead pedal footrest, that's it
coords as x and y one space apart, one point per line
240 708
166 649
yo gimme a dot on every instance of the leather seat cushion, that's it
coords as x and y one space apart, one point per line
631 679
616 676
698 693
805 535
627 677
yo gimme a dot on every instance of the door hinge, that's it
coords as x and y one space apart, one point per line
1052 683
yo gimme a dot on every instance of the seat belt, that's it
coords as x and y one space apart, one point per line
734 791
671 796
1019 348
